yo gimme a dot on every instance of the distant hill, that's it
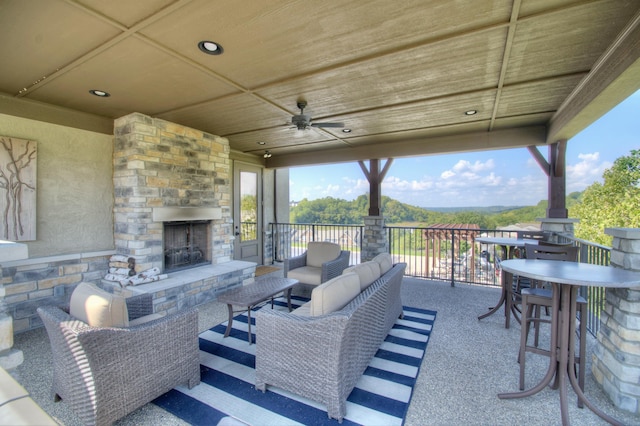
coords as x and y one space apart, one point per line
337 211
490 209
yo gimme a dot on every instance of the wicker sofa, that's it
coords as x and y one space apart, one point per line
321 357
104 368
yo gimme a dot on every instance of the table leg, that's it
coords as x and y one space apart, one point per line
571 367
504 300
230 321
249 323
563 363
289 298
553 361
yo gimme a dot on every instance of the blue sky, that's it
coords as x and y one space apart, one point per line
477 179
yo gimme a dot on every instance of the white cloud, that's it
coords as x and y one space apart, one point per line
447 174
478 166
584 173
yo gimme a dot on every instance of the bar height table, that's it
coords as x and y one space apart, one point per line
566 278
508 245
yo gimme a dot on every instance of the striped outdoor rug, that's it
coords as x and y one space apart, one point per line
227 391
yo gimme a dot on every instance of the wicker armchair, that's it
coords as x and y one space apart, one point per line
321 262
104 373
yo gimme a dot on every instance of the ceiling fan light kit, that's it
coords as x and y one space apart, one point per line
303 121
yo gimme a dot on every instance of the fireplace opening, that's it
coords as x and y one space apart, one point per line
186 244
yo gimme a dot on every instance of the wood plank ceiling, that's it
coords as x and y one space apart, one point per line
400 75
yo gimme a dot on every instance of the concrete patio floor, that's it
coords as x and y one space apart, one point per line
467 363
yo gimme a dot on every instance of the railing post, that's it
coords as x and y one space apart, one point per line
453 260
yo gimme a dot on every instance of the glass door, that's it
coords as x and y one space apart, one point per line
247 217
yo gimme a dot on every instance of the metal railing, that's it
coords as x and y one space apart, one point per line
436 253
290 239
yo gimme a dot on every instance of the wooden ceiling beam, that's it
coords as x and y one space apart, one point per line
475 141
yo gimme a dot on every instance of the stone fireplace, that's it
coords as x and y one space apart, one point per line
186 244
172 185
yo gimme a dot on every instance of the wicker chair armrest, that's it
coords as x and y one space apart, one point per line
333 268
294 262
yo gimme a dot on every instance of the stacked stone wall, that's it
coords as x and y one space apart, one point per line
29 284
374 239
616 358
162 164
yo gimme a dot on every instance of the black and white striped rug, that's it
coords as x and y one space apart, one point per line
227 394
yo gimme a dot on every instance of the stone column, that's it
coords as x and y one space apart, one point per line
557 225
374 240
616 358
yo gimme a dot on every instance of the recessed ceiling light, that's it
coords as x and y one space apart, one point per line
99 93
346 130
210 47
261 143
471 112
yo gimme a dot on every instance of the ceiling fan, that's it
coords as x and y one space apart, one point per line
303 121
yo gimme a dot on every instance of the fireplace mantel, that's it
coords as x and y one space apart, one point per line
171 214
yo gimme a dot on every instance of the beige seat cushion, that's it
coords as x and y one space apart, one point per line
303 310
98 308
367 272
319 252
306 275
334 294
385 261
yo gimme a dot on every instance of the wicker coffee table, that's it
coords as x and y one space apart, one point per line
252 295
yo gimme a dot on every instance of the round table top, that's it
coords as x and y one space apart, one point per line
575 273
504 241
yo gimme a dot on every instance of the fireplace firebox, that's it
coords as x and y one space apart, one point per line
186 244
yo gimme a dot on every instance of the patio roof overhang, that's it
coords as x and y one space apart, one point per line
401 76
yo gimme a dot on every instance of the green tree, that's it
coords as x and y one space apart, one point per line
613 203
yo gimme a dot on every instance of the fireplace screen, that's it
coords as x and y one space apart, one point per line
186 244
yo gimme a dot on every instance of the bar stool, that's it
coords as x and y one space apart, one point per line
535 297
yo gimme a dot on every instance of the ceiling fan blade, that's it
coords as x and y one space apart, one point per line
327 124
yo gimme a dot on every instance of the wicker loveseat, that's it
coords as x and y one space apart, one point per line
322 357
105 372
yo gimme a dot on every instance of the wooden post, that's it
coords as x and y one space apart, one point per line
556 177
375 178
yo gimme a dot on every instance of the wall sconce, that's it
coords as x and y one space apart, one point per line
267 154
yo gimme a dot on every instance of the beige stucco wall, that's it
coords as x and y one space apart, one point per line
75 187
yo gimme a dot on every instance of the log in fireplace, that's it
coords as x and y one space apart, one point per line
186 244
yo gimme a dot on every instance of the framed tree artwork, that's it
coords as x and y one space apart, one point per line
17 189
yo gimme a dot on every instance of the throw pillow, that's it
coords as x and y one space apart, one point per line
368 272
385 261
334 294
98 308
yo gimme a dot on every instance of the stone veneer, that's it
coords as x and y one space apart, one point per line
161 164
616 358
374 239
